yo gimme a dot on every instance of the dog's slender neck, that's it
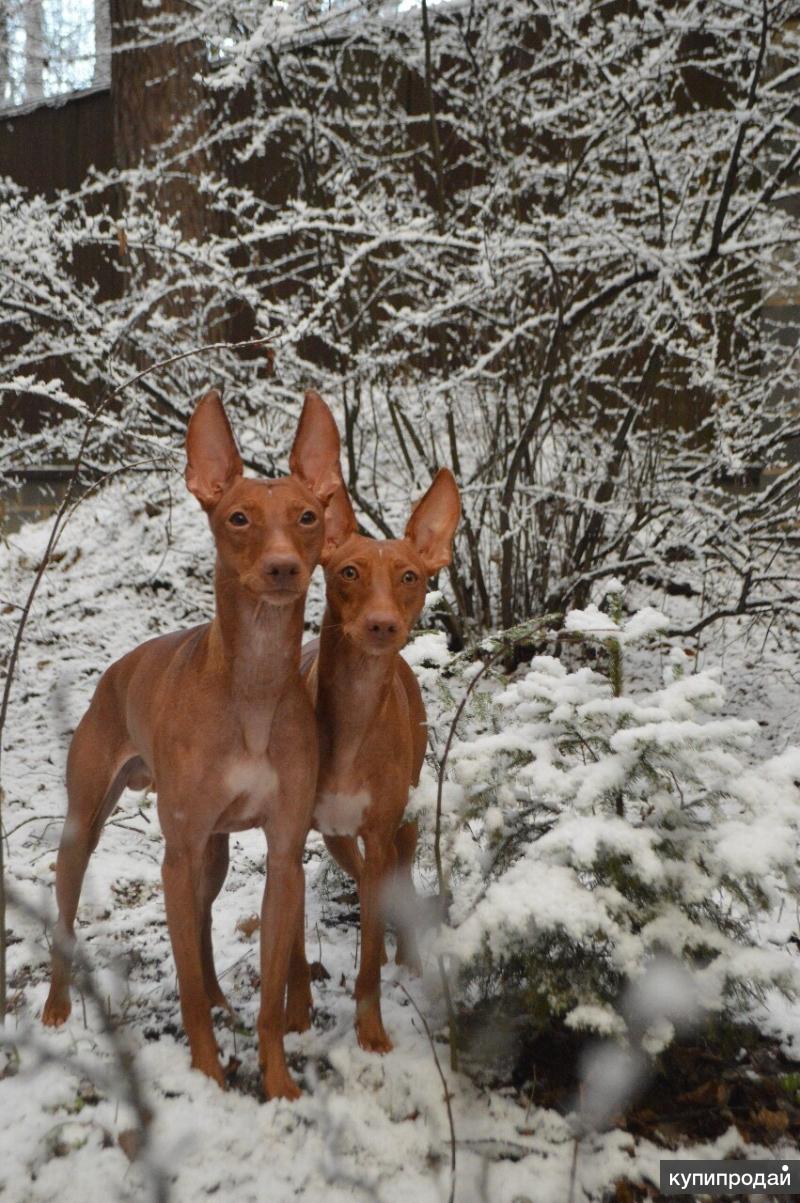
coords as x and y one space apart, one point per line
258 642
353 686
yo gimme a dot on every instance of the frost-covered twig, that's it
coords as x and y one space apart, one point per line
445 1089
503 642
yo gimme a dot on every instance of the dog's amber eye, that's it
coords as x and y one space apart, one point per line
237 518
349 573
308 518
409 577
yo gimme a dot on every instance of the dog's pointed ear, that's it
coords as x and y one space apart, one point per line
315 452
434 520
212 458
340 522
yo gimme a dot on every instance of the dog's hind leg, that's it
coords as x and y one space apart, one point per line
99 767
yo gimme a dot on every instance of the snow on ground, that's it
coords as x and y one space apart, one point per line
366 1127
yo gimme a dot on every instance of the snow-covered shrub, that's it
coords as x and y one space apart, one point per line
543 243
591 831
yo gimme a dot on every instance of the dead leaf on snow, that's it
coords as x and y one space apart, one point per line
248 925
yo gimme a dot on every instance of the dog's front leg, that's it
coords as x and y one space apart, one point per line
181 869
281 915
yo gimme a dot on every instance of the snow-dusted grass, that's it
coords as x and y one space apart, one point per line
366 1127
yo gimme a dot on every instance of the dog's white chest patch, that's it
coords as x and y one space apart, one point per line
341 814
252 781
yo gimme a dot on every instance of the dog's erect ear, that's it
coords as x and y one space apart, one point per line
434 520
315 452
340 523
212 459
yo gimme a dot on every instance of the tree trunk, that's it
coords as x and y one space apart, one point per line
160 112
34 50
6 86
102 43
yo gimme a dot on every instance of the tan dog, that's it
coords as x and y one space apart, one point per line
371 719
218 719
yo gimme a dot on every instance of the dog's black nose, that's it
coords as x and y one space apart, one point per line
282 570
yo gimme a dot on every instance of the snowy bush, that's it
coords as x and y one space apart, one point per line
546 244
591 831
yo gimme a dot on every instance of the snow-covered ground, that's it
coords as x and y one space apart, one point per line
366 1127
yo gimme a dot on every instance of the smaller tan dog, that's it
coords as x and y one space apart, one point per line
371 718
